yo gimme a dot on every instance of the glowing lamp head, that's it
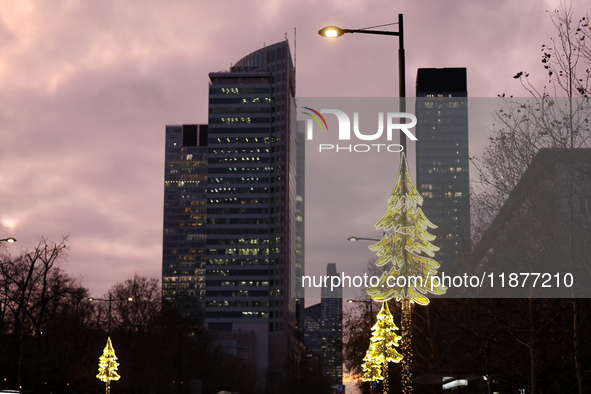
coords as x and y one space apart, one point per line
331 32
129 299
352 239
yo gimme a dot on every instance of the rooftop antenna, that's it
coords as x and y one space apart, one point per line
294 51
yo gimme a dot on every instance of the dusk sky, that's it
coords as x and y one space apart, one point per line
87 87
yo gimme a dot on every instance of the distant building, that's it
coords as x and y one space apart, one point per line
300 244
443 177
313 329
324 330
183 253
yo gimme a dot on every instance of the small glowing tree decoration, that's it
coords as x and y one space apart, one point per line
381 347
108 365
406 245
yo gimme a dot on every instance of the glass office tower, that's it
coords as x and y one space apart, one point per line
331 321
251 203
324 330
443 177
300 226
183 254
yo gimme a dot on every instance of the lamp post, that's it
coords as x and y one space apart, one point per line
334 32
370 302
110 301
406 325
370 309
3 311
354 239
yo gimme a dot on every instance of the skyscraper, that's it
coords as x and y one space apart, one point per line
442 159
183 253
324 330
300 225
331 320
251 203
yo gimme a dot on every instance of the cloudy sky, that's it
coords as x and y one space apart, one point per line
87 87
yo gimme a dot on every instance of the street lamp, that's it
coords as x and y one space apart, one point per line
110 300
370 309
3 310
385 366
334 32
354 239
370 302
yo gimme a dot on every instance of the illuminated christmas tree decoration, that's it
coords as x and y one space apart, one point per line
382 345
406 245
372 371
108 365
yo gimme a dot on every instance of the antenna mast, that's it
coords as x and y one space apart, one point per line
295 53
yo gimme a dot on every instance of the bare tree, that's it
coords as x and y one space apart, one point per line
31 286
546 121
145 307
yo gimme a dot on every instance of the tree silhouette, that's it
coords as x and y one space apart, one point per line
546 120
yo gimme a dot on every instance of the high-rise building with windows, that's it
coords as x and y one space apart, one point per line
442 159
331 320
324 330
251 204
299 292
183 254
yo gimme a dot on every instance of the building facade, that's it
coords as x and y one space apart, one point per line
443 177
251 203
300 245
183 253
324 330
